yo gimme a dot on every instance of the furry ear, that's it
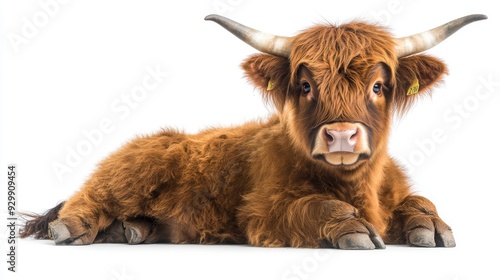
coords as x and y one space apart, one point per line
271 75
416 76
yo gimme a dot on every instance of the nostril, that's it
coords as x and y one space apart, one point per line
329 138
353 138
354 135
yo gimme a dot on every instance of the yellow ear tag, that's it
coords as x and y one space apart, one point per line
413 89
270 85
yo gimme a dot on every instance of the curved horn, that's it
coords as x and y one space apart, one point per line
271 44
423 41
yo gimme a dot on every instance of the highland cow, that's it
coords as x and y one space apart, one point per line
316 174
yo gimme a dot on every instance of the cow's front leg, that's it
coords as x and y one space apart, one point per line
344 228
314 222
416 222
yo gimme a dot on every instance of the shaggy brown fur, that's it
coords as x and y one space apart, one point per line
258 183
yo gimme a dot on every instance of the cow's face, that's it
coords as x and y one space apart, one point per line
342 86
336 95
335 119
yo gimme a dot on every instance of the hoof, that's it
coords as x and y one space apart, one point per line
133 235
421 237
360 241
136 230
59 232
445 239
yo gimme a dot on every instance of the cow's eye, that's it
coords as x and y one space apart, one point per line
377 88
306 88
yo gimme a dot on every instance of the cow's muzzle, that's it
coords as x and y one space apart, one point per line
342 143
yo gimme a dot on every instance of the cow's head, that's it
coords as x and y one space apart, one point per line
337 87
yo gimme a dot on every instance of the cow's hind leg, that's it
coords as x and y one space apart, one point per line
80 220
131 231
75 230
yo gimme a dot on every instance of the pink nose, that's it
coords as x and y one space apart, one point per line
341 140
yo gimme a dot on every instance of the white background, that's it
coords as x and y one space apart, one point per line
63 77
